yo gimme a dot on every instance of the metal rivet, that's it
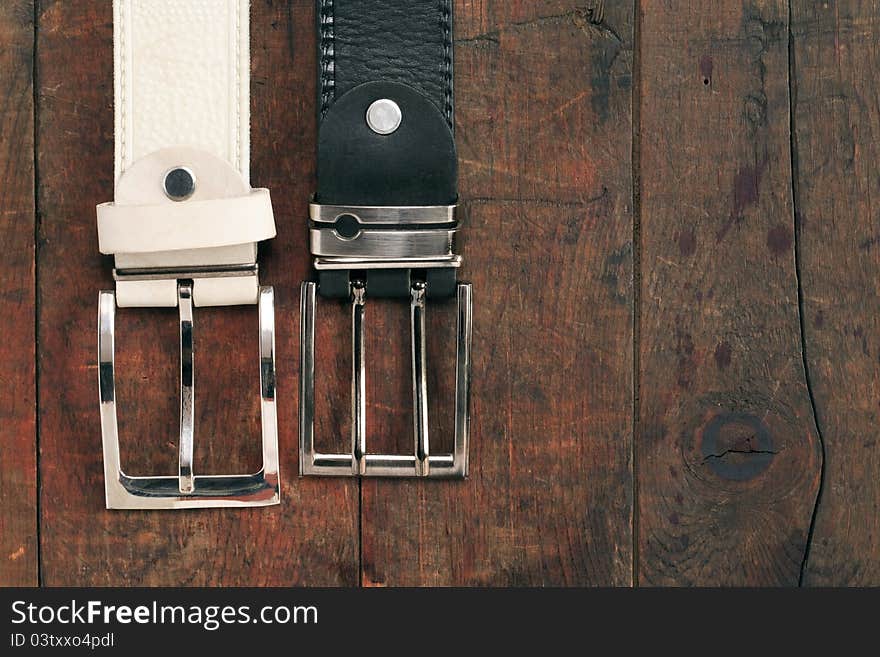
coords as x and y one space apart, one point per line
384 116
179 184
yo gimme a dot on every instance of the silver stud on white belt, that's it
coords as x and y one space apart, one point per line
179 183
187 490
422 462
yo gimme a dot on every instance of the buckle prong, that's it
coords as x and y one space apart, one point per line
419 381
358 383
187 393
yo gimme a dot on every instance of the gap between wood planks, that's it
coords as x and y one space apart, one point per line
795 191
37 218
636 164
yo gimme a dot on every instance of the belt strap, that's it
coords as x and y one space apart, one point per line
385 140
183 200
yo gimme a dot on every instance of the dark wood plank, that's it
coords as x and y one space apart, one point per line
544 137
312 538
18 468
728 456
836 62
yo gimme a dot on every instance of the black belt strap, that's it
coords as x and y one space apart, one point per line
386 49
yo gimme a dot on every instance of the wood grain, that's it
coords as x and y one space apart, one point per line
544 136
728 453
741 203
312 538
18 467
838 122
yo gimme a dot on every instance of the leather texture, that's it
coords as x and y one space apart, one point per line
402 50
182 78
144 220
415 165
406 41
182 87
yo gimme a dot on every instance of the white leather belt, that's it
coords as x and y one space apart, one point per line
184 225
182 81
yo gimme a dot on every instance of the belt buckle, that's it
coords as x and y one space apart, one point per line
421 463
187 490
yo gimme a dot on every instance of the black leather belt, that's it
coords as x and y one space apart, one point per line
383 221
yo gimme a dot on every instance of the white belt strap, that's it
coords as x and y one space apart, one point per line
182 87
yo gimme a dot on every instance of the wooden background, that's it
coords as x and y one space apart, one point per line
673 240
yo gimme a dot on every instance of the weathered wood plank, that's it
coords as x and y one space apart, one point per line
18 468
835 61
312 538
728 456
544 136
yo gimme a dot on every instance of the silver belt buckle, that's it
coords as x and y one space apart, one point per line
187 490
363 244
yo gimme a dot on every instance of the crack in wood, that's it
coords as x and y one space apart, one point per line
734 450
798 268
